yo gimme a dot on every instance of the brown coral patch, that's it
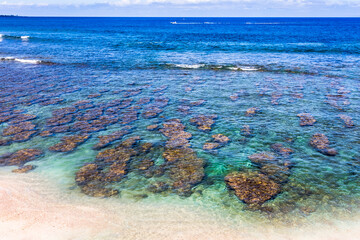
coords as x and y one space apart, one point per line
18 128
203 122
279 148
69 143
306 119
347 120
108 139
23 136
252 188
321 143
151 112
22 118
24 169
20 157
152 127
211 145
220 138
262 158
246 131
251 111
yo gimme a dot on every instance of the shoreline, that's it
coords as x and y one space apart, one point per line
35 208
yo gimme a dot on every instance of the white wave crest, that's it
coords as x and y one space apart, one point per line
190 66
25 37
27 61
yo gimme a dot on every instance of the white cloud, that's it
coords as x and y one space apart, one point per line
178 2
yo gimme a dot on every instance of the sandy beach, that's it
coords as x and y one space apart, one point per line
34 208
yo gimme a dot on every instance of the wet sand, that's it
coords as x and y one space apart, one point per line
32 207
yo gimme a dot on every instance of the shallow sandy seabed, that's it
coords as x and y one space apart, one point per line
33 208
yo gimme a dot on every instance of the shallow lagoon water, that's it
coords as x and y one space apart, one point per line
283 83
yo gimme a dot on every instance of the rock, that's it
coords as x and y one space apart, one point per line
211 145
275 172
22 118
145 164
252 188
108 139
69 143
262 158
116 171
174 154
152 127
95 95
283 151
18 128
88 173
203 122
23 136
251 111
347 120
158 187
24 169
20 157
321 143
152 112
221 138
306 119
5 142
246 131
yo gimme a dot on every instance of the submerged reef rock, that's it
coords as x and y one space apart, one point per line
306 119
18 128
23 136
262 158
20 157
111 165
219 140
69 143
23 118
347 120
276 172
253 187
203 122
158 187
211 145
251 111
152 112
152 127
338 101
246 131
280 149
24 169
183 166
90 178
321 143
108 139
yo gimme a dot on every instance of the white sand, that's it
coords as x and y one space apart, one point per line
31 208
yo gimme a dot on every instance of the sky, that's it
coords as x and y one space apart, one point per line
182 8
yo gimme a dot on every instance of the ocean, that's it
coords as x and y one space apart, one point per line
254 121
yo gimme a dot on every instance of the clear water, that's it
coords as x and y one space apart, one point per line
300 60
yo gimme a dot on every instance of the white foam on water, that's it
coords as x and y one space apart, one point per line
21 60
190 66
248 69
25 37
28 61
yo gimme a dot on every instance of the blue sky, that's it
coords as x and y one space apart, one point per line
183 8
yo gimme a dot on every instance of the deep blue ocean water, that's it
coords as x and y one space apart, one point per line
281 66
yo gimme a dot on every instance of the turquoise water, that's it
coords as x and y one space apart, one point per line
232 67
